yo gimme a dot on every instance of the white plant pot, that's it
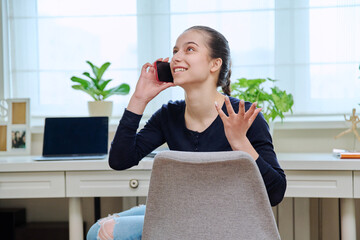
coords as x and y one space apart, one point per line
100 108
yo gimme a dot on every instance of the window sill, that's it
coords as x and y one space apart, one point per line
311 122
289 123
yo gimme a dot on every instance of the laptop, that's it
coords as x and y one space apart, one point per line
75 138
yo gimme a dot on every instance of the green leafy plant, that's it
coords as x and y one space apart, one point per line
275 102
96 86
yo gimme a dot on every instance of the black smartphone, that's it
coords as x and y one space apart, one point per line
163 72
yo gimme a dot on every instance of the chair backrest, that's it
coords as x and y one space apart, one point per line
212 195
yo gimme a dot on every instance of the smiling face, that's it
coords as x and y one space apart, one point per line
191 62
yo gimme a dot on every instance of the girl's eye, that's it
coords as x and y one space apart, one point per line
190 49
174 52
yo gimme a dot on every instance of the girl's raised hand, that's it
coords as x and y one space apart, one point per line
236 125
148 86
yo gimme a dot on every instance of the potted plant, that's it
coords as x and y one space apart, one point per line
95 87
274 102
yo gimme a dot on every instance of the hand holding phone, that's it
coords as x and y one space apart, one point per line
163 72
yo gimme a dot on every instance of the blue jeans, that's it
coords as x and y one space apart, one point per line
128 226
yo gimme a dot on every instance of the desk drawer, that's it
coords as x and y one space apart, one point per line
356 184
107 183
32 185
319 184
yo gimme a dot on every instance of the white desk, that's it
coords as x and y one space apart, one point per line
21 177
315 175
308 175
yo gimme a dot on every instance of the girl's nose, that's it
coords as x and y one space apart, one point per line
177 57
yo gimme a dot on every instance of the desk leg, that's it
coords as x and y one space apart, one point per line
75 219
348 219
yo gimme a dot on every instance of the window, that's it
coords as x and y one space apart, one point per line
50 41
334 55
310 46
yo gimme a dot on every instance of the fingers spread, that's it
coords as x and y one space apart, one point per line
251 110
241 108
220 112
229 107
254 115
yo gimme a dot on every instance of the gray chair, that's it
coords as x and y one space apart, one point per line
214 195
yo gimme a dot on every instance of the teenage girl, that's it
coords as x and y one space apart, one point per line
206 120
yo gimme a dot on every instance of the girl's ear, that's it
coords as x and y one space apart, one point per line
216 64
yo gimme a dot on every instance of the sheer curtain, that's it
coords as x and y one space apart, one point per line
310 46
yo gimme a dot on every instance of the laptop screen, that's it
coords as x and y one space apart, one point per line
75 136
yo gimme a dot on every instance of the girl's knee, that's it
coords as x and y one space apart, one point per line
93 232
106 231
128 226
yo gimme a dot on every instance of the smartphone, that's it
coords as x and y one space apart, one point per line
163 72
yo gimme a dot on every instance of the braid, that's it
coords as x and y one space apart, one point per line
226 88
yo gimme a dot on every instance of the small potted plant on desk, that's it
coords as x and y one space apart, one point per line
96 89
274 103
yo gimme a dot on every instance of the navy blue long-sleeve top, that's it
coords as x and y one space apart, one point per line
168 125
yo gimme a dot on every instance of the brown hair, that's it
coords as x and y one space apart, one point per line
219 48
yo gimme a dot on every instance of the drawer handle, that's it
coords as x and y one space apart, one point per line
134 183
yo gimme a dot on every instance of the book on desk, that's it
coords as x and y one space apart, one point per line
344 154
350 155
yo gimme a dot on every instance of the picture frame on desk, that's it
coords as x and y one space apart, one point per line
15 135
